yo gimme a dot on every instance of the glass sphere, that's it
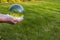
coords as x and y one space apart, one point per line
16 8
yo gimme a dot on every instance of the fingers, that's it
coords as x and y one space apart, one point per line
16 21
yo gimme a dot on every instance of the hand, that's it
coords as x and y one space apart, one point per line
8 19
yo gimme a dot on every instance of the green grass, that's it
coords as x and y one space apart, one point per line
41 22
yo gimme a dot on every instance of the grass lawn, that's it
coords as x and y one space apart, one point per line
41 22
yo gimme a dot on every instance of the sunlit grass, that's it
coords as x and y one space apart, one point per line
41 22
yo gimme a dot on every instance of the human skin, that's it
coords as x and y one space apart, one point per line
8 20
4 18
